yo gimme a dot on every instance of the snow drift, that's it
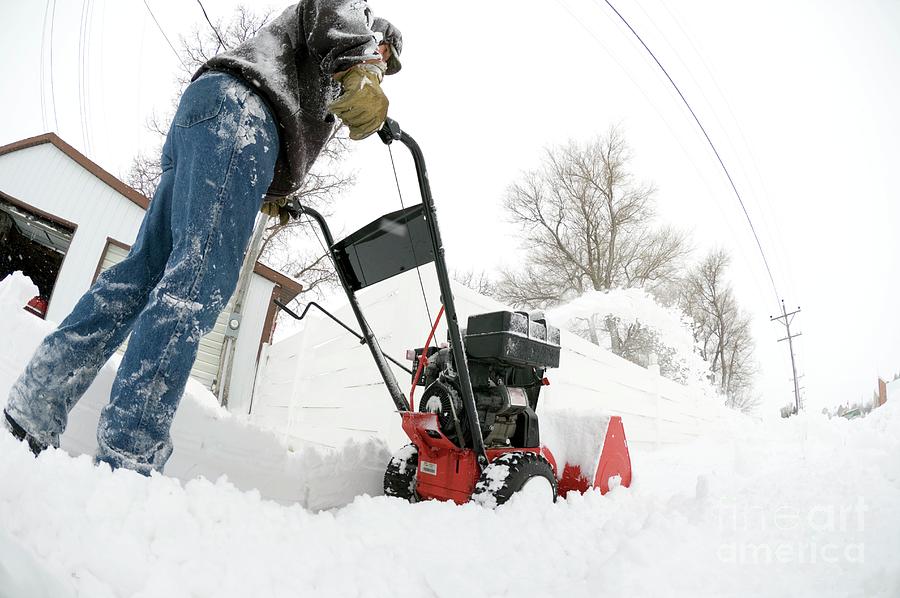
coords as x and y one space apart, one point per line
585 315
209 441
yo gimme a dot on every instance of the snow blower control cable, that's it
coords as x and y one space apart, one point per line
423 359
412 247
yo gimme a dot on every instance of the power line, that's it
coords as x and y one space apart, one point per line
699 86
675 137
81 96
43 46
711 145
730 143
158 26
650 102
777 251
778 236
102 76
213 27
84 35
88 32
52 89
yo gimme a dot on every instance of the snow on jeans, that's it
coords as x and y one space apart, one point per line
218 161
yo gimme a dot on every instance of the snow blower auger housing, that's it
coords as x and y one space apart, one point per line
475 435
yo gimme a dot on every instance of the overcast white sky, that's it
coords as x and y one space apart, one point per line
800 97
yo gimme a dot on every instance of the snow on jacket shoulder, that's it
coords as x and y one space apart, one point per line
290 62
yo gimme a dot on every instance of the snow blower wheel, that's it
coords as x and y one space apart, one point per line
510 473
400 475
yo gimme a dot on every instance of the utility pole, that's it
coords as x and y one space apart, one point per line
786 318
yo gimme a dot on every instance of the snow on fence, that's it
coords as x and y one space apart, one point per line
320 385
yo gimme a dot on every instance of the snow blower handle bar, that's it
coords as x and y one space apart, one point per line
362 340
389 133
368 337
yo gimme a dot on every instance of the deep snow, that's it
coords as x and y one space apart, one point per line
209 441
800 507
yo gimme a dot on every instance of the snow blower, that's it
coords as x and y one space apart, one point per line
475 435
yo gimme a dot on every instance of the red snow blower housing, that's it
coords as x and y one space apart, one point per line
476 434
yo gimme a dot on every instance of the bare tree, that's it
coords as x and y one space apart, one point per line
588 226
144 173
145 167
293 247
721 330
479 281
195 49
203 43
296 247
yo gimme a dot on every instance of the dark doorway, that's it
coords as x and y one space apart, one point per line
34 244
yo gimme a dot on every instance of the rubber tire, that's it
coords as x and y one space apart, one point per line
523 466
400 475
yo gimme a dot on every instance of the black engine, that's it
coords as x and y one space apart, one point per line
507 354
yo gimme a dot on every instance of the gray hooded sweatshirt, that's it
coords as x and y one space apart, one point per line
290 62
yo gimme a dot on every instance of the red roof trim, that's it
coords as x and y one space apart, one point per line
291 286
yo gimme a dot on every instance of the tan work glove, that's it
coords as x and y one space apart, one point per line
277 208
362 104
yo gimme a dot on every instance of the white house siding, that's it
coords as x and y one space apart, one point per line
209 353
321 386
49 180
893 390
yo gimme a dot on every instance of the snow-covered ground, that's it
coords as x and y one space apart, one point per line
210 441
800 507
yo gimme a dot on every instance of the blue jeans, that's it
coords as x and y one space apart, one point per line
218 161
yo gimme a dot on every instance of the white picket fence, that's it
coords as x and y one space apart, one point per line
320 386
